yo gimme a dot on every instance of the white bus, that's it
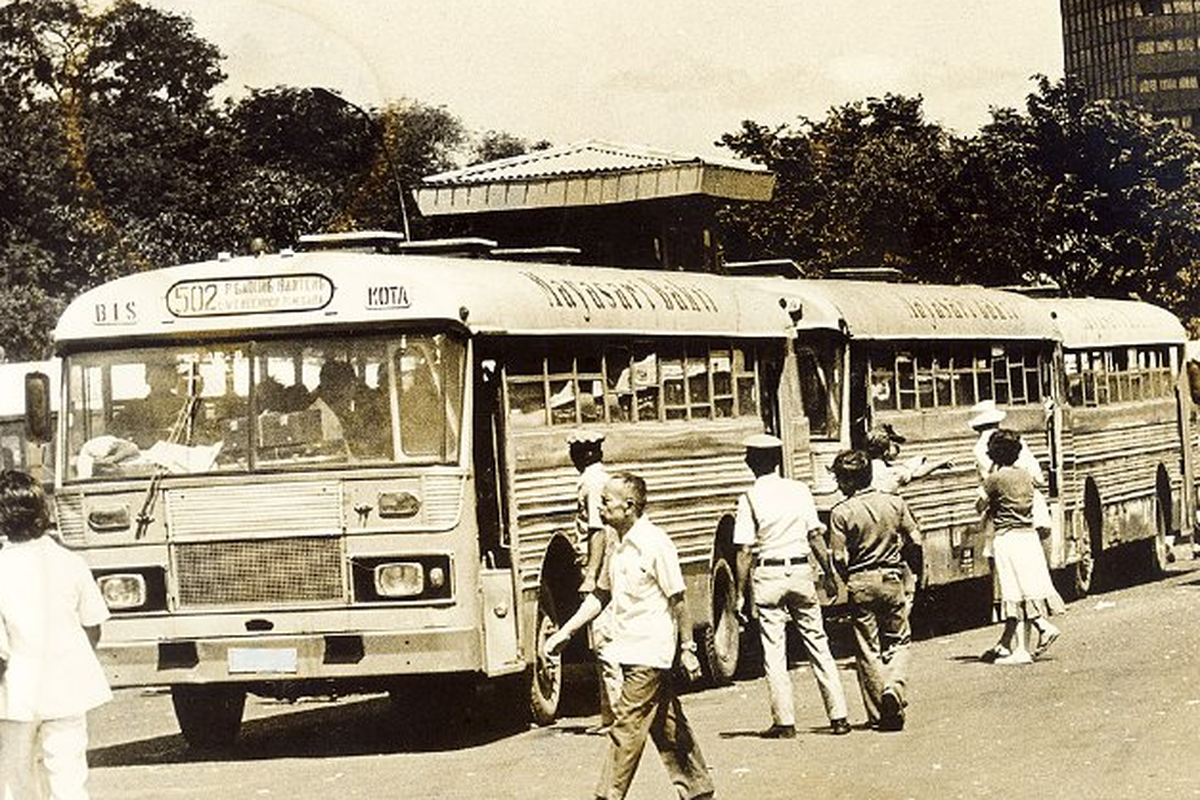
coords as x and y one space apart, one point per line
1096 387
349 468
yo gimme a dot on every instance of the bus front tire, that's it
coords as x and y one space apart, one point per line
210 716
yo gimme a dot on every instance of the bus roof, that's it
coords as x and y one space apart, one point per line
295 291
914 311
1088 321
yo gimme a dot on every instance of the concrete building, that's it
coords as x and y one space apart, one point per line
616 204
1146 52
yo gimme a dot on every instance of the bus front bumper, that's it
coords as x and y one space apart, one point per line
348 657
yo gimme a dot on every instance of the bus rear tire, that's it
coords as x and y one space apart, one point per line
721 641
544 676
1082 574
209 716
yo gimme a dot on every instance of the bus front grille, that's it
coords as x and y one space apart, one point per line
263 572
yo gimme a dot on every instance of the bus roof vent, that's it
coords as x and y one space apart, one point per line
784 267
550 254
880 274
1047 288
371 241
465 246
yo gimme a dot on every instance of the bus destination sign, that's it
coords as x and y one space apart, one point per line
261 294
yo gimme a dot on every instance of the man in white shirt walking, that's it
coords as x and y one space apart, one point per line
778 534
650 624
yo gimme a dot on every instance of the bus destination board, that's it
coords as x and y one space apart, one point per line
261 294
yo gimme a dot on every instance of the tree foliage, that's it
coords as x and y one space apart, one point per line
118 159
1094 196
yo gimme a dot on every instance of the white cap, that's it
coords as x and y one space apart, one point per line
762 441
985 413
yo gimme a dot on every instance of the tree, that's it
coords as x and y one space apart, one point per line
497 145
862 187
1109 196
1095 196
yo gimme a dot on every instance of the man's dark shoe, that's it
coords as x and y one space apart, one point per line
840 726
891 711
779 732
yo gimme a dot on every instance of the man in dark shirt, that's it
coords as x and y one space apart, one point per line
873 535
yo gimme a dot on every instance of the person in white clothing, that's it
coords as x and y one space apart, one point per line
50 616
985 420
778 534
651 627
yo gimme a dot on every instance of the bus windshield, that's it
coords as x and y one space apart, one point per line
264 406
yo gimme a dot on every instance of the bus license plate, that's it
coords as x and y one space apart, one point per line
259 660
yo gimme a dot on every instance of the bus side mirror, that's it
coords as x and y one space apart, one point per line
38 427
1193 373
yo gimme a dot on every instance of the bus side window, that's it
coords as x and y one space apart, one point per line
646 384
527 391
1193 373
618 372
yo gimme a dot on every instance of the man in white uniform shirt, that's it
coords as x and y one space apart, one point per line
778 534
50 615
650 624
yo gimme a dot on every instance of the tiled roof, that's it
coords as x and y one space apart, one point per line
582 158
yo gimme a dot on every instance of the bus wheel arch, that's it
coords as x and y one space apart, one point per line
557 599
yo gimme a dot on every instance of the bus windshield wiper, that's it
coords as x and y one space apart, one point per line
182 431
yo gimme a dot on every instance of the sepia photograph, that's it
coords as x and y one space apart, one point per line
599 400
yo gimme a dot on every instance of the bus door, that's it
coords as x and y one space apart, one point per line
1054 379
820 368
497 579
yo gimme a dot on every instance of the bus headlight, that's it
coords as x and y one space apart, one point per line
122 591
399 579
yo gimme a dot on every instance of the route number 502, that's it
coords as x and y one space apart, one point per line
192 299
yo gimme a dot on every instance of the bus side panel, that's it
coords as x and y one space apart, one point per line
694 472
944 502
1113 455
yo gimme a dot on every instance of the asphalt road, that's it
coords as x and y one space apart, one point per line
1111 712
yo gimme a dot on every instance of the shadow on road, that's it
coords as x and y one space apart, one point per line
351 727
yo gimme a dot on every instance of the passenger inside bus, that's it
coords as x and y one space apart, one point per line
152 418
351 413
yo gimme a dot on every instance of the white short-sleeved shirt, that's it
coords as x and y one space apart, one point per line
784 511
643 575
47 596
591 487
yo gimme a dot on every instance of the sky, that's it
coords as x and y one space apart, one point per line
669 74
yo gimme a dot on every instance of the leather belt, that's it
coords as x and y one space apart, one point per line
883 568
782 562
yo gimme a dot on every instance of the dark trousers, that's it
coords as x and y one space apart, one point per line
649 707
881 633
